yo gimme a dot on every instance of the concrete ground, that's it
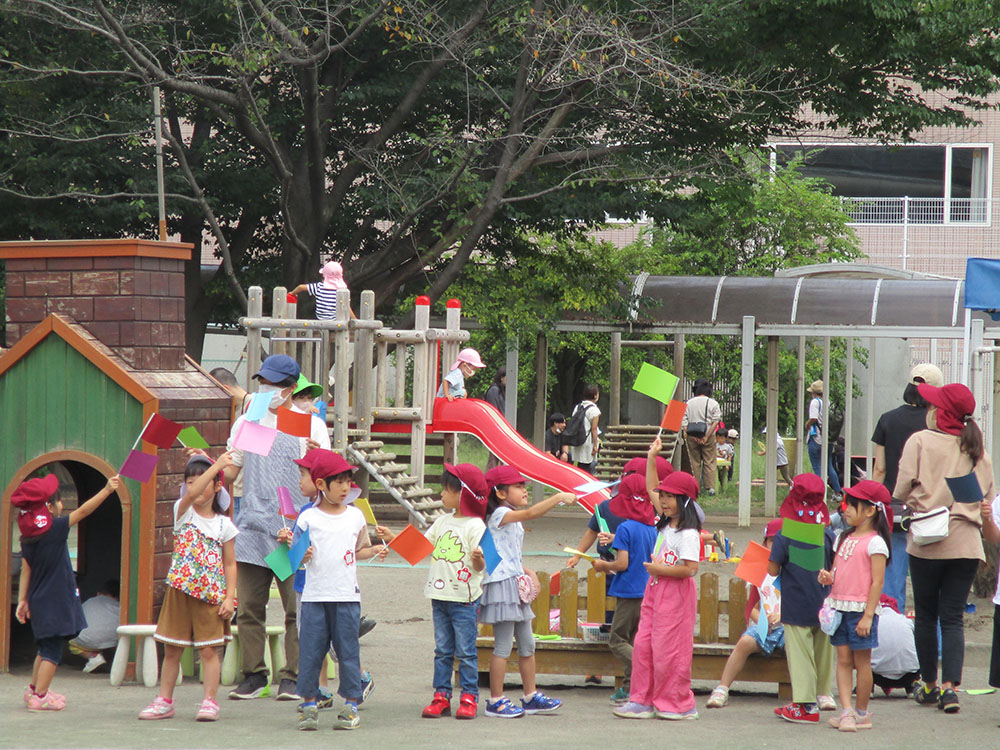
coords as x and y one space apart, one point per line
399 654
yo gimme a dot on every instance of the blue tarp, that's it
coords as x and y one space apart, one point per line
982 285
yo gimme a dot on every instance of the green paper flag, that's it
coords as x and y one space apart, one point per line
811 559
191 438
279 563
601 523
807 533
656 383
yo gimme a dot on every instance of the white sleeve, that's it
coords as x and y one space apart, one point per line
815 409
178 522
689 545
877 546
229 530
319 432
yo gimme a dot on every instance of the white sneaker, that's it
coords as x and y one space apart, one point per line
94 662
719 698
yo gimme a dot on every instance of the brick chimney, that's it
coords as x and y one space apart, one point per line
127 293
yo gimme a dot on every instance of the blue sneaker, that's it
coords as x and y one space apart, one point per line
368 684
540 704
502 708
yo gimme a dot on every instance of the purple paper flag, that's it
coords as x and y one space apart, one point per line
138 466
255 438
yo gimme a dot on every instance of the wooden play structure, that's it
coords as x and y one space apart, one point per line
719 625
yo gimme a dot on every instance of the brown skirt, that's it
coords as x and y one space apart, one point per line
186 621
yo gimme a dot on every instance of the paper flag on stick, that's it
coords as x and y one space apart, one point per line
752 567
298 550
807 533
656 383
257 410
812 558
411 545
578 553
491 556
191 438
762 625
255 438
365 507
595 486
294 423
601 523
161 432
321 410
279 563
673 416
138 466
285 505
965 489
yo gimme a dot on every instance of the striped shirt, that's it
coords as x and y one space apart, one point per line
326 301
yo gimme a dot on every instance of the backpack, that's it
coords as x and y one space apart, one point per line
577 429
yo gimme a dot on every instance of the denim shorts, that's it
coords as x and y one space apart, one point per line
51 648
846 633
775 638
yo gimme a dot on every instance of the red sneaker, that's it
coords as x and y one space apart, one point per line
467 707
440 706
797 714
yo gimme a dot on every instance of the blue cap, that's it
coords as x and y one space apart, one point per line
279 367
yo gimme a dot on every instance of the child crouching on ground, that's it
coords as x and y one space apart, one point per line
331 598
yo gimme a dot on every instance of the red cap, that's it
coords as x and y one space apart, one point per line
474 490
34 518
503 475
955 404
773 528
323 463
805 500
874 493
680 483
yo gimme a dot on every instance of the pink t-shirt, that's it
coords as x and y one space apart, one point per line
852 571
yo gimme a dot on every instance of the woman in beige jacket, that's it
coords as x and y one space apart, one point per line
942 572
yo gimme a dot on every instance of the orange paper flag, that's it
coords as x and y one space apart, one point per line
411 545
294 423
753 565
673 416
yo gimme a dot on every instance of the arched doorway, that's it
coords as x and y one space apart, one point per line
99 545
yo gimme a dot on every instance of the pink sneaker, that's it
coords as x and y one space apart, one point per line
48 702
158 709
209 711
28 692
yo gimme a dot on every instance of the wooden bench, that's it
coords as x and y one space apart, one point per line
572 656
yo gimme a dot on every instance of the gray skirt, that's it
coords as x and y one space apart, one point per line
501 603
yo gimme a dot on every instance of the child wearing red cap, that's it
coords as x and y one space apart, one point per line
331 597
454 585
47 593
859 560
509 590
751 641
664 643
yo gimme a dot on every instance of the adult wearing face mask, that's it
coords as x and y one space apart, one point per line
258 521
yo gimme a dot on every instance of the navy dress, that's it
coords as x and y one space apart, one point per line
53 599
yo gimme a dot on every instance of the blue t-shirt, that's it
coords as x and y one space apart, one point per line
456 384
801 593
613 522
638 539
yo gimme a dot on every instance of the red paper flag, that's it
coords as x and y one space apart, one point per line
161 432
673 416
411 545
753 565
294 423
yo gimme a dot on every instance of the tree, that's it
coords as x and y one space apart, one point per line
400 137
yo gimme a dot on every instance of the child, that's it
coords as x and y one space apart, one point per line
47 593
633 541
103 615
859 561
894 659
454 585
304 396
807 648
326 293
504 605
465 366
661 658
201 585
331 599
750 642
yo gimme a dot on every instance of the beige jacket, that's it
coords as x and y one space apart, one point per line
928 457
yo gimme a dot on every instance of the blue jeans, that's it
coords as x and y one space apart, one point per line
895 572
320 625
455 637
815 456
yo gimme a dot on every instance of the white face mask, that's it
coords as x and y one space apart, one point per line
275 390
303 404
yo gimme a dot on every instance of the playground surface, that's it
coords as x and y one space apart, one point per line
399 654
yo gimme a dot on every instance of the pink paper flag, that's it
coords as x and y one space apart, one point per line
255 438
285 505
138 466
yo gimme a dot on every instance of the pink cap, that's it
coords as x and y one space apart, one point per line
333 275
470 356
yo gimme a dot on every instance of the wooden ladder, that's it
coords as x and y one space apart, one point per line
621 442
418 501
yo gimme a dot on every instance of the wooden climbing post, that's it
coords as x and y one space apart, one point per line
422 371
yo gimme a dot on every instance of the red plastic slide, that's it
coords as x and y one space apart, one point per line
475 417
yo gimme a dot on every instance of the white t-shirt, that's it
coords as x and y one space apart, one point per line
674 545
451 576
317 428
508 540
332 573
217 527
816 412
896 653
584 453
996 519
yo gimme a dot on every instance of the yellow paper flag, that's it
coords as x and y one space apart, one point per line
578 553
362 504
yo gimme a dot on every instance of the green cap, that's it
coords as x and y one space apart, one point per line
315 391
